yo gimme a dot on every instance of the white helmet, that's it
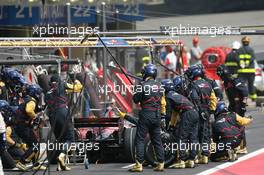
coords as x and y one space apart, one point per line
236 45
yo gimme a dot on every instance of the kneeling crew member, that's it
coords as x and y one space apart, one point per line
14 149
227 132
237 94
27 113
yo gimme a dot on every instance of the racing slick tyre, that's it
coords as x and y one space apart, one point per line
129 143
169 156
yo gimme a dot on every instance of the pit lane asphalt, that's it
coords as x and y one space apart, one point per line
255 141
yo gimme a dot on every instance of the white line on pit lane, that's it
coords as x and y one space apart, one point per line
128 166
225 165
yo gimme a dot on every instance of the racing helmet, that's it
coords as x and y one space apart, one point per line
34 91
220 108
3 105
13 78
202 69
167 85
5 73
7 111
179 84
19 80
150 70
194 71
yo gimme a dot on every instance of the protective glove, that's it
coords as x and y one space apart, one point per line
22 146
119 113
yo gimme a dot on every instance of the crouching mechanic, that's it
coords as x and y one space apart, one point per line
204 99
151 97
24 122
184 110
15 84
227 133
60 120
237 94
15 149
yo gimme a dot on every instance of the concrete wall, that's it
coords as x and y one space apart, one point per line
235 19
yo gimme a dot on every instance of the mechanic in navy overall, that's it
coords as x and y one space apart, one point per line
203 97
57 102
228 132
13 147
15 84
25 118
186 118
150 95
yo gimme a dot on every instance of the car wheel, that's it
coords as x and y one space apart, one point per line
169 156
129 143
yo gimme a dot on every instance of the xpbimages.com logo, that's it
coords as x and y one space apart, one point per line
147 89
62 30
198 30
81 147
213 147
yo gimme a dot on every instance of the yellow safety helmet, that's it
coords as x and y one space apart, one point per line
146 58
245 40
